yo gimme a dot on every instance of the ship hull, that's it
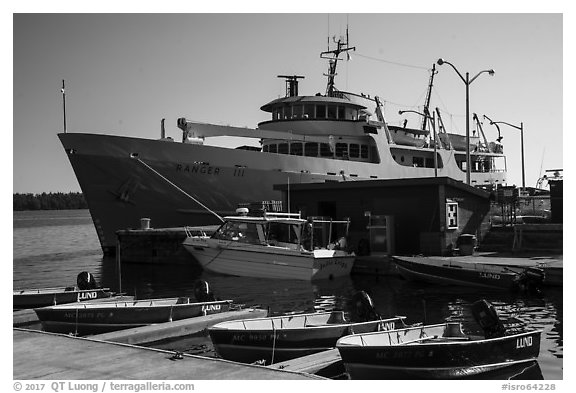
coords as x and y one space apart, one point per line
175 184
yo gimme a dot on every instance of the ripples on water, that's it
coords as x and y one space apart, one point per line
51 248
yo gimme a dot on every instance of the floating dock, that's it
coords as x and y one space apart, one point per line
552 265
326 363
24 318
158 245
155 332
184 327
49 356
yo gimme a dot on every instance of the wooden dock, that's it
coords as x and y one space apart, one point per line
24 318
326 363
50 356
155 332
184 327
552 264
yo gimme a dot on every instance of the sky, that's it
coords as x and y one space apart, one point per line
125 72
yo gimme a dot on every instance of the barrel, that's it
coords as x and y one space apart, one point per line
144 223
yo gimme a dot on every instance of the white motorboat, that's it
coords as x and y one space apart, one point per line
275 245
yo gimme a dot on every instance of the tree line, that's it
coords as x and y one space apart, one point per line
49 201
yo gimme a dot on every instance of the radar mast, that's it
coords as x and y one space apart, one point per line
333 57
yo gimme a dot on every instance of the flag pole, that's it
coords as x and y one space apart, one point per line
64 103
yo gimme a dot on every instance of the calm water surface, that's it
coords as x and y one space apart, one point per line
52 247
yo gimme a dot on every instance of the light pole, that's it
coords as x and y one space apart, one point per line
521 128
467 81
426 116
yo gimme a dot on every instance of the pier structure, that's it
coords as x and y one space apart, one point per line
118 355
49 356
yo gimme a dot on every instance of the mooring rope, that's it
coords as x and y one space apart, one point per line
176 187
218 254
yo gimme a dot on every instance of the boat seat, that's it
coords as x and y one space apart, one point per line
453 330
336 318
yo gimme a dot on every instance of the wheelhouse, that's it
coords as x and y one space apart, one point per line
313 108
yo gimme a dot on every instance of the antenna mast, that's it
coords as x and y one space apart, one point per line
63 90
332 56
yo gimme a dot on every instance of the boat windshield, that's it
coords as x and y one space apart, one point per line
246 232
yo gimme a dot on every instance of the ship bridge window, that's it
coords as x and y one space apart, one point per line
325 150
265 148
332 111
364 151
341 112
350 114
354 150
277 113
297 112
283 148
273 148
342 150
311 149
308 111
296 149
320 111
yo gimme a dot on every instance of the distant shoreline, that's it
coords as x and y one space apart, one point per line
49 201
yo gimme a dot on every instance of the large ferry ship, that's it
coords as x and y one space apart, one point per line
337 136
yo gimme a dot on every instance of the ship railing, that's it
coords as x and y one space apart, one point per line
284 215
198 231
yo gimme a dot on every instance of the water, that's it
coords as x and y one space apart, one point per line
52 247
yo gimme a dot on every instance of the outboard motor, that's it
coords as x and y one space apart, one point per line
86 281
486 316
362 308
530 280
202 292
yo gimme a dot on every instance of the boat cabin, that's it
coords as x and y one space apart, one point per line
285 230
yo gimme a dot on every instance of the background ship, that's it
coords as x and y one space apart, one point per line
338 136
